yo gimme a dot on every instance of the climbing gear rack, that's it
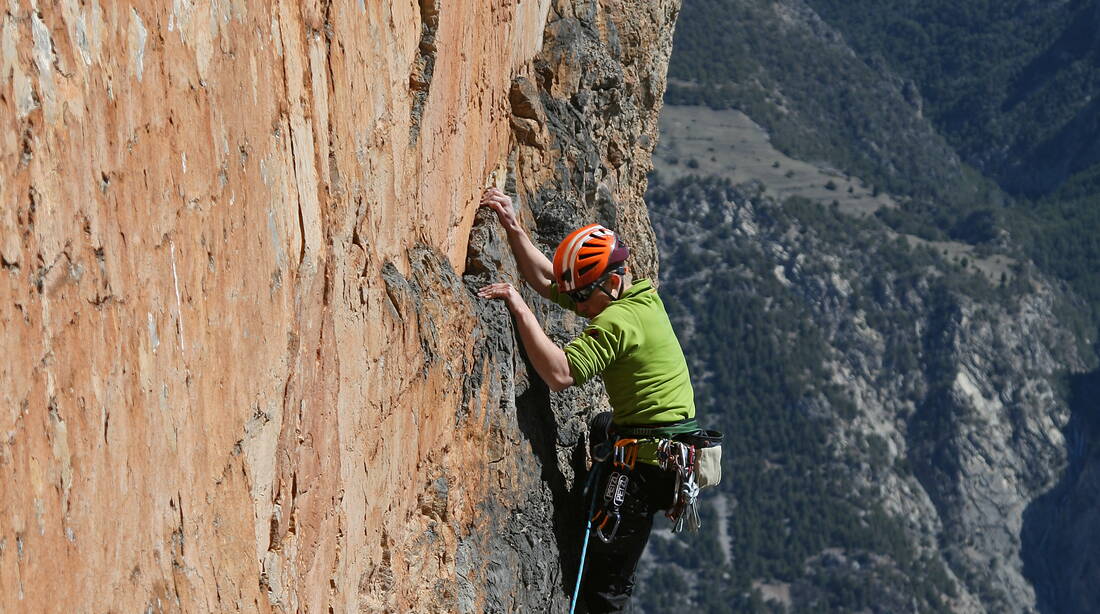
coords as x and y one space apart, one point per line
679 458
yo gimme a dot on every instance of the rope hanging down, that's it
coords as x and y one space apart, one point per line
588 488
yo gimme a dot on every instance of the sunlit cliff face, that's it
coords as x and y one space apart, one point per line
244 371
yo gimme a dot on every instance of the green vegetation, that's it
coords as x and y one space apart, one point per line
1003 76
981 120
1012 86
819 102
760 378
1062 234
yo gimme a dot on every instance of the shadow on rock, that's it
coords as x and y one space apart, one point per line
1061 530
540 427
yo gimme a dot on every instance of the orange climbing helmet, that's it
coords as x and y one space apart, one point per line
585 255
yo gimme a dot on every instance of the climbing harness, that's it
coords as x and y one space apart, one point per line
692 454
659 431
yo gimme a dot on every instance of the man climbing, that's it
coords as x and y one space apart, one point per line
630 342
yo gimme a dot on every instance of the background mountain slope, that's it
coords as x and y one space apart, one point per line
910 431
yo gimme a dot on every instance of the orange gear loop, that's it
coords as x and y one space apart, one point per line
626 453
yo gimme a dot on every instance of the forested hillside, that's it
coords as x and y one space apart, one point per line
1010 83
1013 85
927 100
905 432
888 414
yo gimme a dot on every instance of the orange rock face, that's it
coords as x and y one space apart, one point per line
244 371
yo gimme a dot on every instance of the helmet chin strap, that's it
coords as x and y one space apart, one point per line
618 288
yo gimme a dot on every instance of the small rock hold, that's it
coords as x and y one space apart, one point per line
525 101
9 254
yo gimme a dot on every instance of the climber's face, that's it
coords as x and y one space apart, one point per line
593 306
599 299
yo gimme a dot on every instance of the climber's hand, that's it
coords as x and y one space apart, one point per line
499 202
502 291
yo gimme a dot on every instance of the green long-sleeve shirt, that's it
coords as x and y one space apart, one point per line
632 344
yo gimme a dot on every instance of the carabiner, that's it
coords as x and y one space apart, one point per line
607 517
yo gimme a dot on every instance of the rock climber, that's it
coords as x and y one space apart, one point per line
629 341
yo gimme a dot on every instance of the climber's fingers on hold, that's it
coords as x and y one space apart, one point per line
496 200
498 290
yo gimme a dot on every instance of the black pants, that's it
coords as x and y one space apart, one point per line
609 569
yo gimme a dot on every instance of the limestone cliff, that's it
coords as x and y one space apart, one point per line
245 371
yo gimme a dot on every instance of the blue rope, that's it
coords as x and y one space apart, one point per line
587 531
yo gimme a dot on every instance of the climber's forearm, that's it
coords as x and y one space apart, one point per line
535 267
548 359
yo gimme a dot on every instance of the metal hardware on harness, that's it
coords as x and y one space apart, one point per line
613 496
601 452
679 458
626 453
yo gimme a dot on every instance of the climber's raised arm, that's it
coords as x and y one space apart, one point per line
535 267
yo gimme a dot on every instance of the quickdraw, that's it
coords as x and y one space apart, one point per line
679 458
626 454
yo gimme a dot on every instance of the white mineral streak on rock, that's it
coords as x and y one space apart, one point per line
26 100
530 24
201 38
9 41
138 35
44 58
154 340
180 17
43 47
276 37
80 36
179 305
91 20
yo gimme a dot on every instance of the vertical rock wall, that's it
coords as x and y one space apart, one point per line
244 369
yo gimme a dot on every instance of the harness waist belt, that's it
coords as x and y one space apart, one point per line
644 431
